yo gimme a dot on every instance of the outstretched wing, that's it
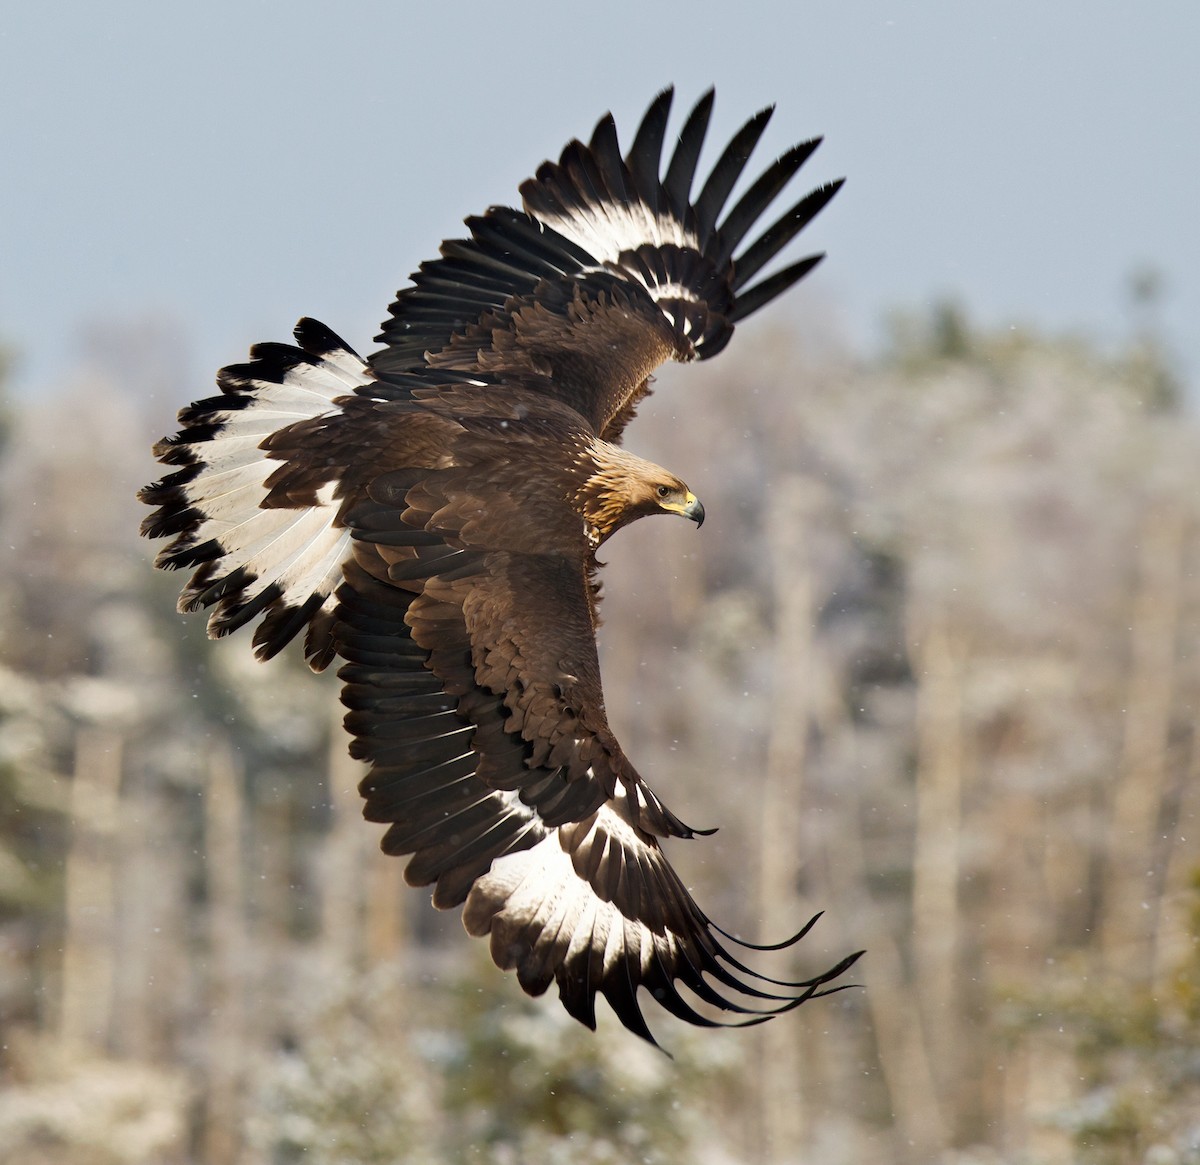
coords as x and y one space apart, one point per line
474 688
610 269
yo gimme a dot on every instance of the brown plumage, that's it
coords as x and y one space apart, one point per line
431 517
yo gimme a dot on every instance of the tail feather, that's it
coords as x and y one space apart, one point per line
253 556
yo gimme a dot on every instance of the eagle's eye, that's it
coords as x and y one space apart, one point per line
664 491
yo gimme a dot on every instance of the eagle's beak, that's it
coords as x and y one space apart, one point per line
692 508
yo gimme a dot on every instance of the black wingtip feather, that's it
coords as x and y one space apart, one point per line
781 232
774 285
645 155
790 941
319 340
726 172
229 619
175 517
176 557
606 151
282 623
677 184
761 194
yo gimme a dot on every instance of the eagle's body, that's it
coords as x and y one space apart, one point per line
431 516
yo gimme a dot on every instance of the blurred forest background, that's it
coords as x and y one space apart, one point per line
932 665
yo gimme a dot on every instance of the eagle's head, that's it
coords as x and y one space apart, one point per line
622 487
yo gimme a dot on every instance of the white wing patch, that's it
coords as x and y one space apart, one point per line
606 230
254 559
538 890
299 551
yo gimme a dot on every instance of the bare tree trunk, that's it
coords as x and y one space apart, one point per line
1131 882
344 860
386 900
224 819
783 1119
138 884
899 1040
1040 1080
85 1010
1174 933
271 898
938 661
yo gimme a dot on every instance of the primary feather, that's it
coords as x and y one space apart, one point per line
431 516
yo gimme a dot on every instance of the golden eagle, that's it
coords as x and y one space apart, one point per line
431 515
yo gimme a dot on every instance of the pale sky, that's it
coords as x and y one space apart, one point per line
232 166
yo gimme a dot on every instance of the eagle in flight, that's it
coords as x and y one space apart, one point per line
431 516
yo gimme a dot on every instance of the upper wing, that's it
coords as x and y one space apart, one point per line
610 269
474 693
